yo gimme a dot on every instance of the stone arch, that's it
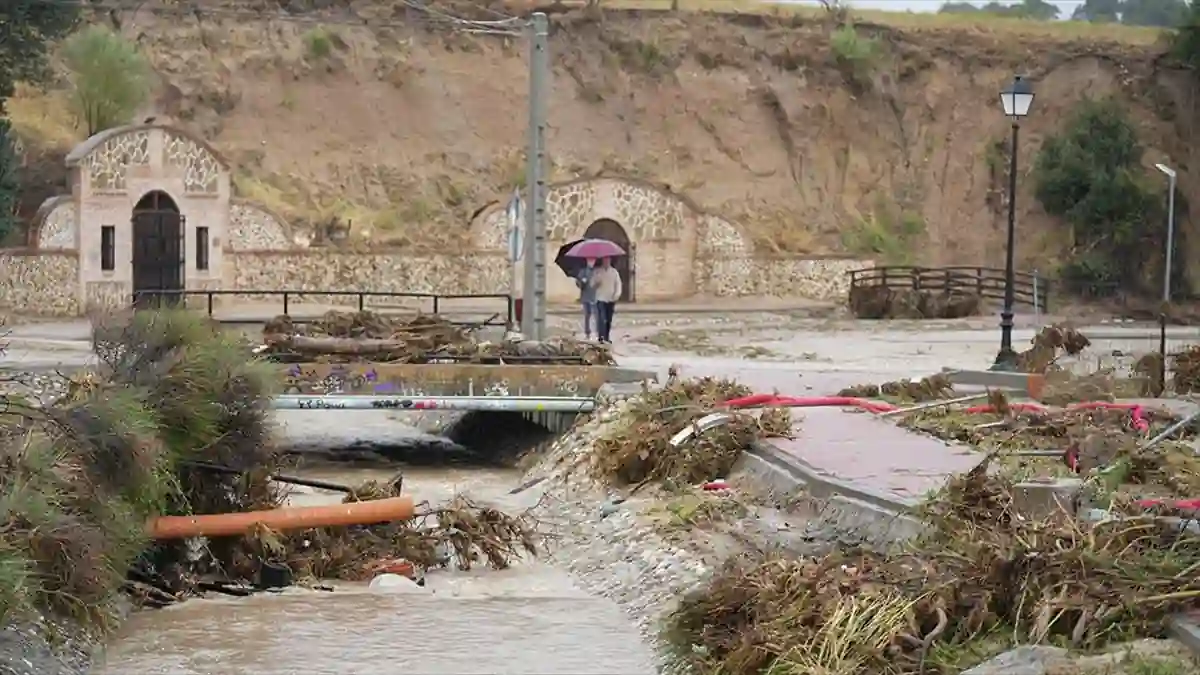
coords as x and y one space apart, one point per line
56 225
254 227
646 211
607 228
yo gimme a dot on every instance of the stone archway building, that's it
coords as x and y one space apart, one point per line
82 247
150 170
678 249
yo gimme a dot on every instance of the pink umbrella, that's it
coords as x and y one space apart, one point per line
594 248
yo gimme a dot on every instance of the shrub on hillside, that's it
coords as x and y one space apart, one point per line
1090 175
110 78
856 54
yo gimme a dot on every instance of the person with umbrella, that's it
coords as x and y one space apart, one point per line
604 281
585 280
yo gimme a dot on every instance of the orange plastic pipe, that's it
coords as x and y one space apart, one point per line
292 518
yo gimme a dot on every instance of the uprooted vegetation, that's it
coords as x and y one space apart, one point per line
980 579
174 421
343 337
1102 444
932 388
638 449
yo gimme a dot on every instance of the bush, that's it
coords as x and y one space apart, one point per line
855 54
110 78
1090 175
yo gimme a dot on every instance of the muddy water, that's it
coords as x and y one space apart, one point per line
526 620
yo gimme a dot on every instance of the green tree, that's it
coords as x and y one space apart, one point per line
1098 11
1164 13
9 185
27 28
1039 10
110 78
958 8
1090 175
1185 44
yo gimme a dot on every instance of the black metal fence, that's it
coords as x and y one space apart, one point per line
434 303
986 282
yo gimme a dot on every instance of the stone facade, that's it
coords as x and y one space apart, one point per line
253 228
59 230
679 250
40 282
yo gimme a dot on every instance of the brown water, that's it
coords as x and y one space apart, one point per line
527 620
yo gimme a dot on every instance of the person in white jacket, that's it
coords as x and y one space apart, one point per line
607 284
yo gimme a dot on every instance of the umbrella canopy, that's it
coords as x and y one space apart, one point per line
594 248
570 263
569 266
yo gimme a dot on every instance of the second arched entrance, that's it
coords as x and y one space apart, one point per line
609 229
157 251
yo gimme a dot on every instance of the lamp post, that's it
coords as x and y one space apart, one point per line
1170 231
1017 99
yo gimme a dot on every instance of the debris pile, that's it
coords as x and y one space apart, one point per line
638 450
932 388
980 580
1097 438
348 337
881 302
1049 345
174 422
461 533
1185 378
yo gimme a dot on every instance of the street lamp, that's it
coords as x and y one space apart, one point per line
1017 99
1170 230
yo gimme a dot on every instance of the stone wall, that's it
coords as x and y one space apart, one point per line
39 282
815 278
395 272
47 282
254 228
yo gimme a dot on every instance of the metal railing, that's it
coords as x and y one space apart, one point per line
986 282
434 302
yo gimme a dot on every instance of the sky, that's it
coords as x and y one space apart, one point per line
1066 6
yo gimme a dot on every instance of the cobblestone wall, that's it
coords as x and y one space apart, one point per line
745 275
45 283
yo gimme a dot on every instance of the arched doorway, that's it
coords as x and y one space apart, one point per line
157 250
609 229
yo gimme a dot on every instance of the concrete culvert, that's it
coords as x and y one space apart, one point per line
499 438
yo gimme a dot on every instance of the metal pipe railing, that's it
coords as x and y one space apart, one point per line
565 404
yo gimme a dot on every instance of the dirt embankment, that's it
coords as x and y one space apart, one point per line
763 119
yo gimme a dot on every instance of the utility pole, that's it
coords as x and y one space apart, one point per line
533 319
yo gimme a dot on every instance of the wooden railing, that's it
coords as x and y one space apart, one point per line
985 282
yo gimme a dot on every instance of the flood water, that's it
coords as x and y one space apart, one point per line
527 620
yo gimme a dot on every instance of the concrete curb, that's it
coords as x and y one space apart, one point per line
848 512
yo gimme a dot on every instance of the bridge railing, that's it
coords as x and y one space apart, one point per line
497 307
986 282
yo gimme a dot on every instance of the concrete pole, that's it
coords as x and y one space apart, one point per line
1170 239
533 322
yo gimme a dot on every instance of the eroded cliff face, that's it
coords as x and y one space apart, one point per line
407 131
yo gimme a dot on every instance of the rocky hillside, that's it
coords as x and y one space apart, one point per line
888 137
